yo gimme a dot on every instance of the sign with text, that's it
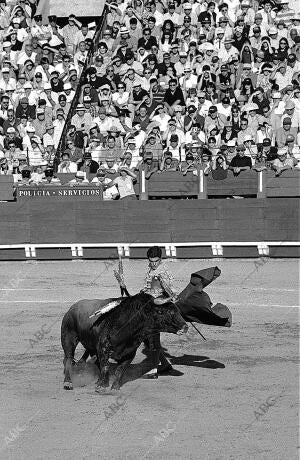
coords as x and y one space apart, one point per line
78 192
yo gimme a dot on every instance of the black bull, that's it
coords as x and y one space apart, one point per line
117 334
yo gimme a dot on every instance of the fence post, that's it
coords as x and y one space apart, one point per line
261 184
202 195
143 185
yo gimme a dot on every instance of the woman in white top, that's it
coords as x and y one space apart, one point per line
120 98
124 184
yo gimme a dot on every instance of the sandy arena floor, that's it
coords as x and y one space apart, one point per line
212 411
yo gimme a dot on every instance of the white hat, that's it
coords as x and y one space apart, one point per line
80 174
5 69
282 151
30 129
231 143
55 41
276 95
67 86
92 25
6 44
124 30
27 85
187 6
16 20
10 130
207 46
106 86
273 30
47 86
249 107
247 138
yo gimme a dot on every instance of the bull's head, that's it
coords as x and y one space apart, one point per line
167 318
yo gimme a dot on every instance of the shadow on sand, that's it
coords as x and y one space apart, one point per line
195 361
87 373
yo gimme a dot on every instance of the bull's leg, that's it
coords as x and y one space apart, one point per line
154 349
103 357
69 343
121 370
165 363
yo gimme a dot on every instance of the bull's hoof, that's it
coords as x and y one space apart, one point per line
115 386
150 376
104 391
68 386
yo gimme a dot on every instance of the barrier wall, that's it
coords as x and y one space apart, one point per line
174 184
228 224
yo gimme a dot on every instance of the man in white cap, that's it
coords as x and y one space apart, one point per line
68 92
48 138
292 113
6 80
82 120
188 13
227 51
282 162
30 133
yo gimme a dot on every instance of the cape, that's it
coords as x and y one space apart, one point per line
195 304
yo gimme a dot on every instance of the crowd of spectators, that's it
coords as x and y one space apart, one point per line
171 86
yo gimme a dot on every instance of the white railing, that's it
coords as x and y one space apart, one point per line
123 249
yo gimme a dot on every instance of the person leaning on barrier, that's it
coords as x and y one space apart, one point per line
148 164
168 162
79 179
189 165
101 180
124 183
240 162
49 177
283 162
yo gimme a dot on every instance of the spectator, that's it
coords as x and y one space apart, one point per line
240 162
124 184
87 165
282 162
102 180
80 179
67 166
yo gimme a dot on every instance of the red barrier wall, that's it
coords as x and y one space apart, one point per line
38 221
